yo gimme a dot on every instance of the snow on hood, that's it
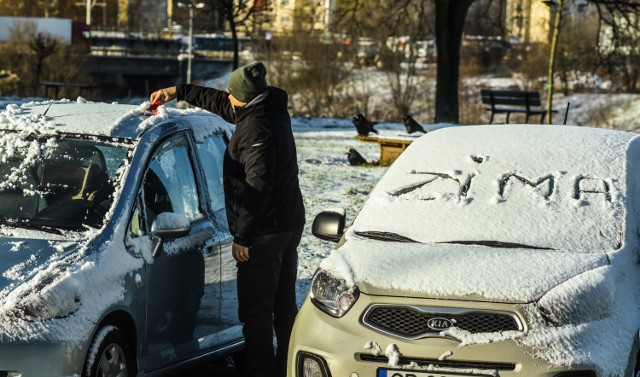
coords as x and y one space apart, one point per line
65 281
20 257
456 271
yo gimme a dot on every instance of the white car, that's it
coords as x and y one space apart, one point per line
501 250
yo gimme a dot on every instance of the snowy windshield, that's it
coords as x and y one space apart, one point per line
57 182
520 187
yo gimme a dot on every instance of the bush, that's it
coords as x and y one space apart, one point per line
19 56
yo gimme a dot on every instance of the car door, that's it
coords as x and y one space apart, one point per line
175 277
211 151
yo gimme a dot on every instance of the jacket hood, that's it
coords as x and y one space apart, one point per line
462 272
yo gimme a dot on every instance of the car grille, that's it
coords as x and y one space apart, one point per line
412 322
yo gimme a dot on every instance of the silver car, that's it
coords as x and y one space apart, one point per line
116 253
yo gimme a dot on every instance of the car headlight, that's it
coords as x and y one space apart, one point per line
583 298
332 295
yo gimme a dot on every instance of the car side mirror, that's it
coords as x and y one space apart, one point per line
329 225
168 225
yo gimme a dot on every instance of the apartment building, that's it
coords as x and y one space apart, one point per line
531 21
308 15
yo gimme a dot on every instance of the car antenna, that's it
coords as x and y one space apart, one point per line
66 81
566 113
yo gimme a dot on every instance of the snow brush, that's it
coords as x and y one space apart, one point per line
152 109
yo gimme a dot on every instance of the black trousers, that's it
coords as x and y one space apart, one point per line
267 302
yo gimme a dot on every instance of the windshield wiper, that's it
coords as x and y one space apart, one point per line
385 236
499 244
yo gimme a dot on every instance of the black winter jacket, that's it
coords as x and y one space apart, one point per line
262 193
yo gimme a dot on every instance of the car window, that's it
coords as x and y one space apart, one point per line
169 184
211 153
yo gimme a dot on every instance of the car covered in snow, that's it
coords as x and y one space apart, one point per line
506 250
116 256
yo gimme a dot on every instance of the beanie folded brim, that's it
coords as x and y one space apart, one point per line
247 82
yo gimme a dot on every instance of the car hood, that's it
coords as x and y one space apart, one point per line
21 258
462 272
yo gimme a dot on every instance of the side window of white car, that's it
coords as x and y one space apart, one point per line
211 154
169 184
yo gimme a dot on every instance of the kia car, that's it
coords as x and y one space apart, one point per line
492 250
116 253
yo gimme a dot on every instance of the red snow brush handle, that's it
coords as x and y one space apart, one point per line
153 108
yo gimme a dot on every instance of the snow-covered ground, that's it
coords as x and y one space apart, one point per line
328 181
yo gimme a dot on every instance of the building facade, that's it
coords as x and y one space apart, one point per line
531 21
307 15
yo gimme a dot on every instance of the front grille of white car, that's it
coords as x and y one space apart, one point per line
413 322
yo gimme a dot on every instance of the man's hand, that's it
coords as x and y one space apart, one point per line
240 253
163 95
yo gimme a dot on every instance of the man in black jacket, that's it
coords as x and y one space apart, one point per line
264 208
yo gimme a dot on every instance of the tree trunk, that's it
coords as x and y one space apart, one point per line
36 81
450 17
552 60
234 37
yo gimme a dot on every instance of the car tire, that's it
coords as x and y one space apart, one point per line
109 354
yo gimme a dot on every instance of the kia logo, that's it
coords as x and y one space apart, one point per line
439 324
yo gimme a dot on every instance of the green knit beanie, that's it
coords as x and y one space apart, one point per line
246 83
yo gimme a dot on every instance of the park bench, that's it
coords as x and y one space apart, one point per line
510 101
390 148
86 89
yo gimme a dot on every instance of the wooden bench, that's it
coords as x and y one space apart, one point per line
390 148
509 101
85 89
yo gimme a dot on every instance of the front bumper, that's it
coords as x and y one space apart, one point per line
340 344
40 360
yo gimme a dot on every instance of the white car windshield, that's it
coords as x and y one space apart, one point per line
53 183
497 187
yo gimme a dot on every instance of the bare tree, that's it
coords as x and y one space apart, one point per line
450 17
238 14
26 8
394 28
619 16
618 40
43 45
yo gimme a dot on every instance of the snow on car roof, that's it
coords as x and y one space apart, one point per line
557 187
99 119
